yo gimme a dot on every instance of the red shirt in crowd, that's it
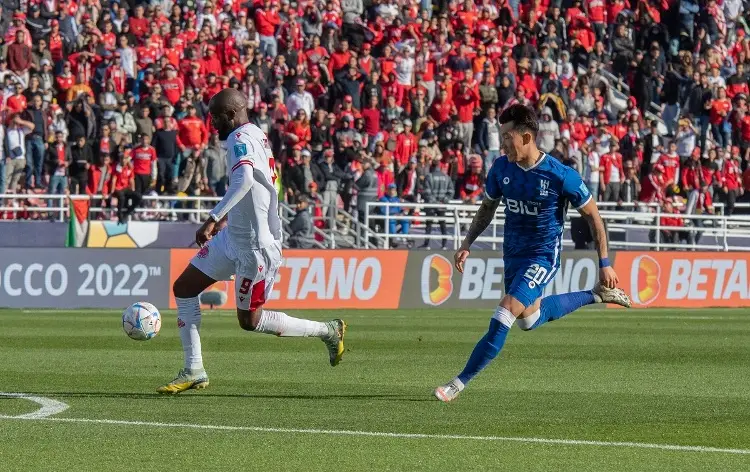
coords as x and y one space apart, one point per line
124 176
173 89
442 111
138 26
372 120
192 132
671 167
143 157
16 103
385 178
731 174
610 161
472 187
466 104
652 189
406 146
266 21
720 108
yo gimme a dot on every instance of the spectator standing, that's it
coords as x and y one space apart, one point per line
216 166
467 105
731 181
592 171
394 211
81 158
367 189
301 226
631 186
125 121
144 125
266 22
489 138
20 57
472 185
333 177
36 143
549 132
166 145
721 129
99 182
15 139
612 175
406 146
438 189
300 99
192 132
58 159
409 181
144 165
123 187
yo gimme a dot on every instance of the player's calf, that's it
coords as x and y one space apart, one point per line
248 319
282 325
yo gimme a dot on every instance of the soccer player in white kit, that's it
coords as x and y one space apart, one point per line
241 238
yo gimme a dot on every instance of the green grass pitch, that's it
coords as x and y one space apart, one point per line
662 377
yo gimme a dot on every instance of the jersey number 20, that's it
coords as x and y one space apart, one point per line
536 275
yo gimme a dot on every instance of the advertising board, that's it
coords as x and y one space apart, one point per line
324 279
77 278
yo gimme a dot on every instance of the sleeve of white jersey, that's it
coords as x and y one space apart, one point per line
242 157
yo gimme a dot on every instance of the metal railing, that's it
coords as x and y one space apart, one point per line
728 233
343 229
194 209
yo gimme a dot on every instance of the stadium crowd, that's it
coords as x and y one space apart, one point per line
365 100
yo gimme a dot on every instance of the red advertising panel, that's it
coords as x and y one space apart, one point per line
322 279
685 279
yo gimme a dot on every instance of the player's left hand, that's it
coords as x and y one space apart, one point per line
608 277
219 226
205 233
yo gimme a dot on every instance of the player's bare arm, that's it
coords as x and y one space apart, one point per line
481 221
590 212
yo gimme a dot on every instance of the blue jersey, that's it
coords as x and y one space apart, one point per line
536 200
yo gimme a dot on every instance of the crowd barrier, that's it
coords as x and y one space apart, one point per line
361 279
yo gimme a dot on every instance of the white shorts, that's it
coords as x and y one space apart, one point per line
255 270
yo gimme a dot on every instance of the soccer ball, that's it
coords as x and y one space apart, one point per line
141 321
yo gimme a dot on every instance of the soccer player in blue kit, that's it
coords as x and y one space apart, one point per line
536 189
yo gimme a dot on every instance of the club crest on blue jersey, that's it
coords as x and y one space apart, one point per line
240 149
543 188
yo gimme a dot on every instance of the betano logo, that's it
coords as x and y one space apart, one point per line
444 270
644 280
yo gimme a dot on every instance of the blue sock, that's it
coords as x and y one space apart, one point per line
555 307
489 346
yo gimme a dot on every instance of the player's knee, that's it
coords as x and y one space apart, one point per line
248 319
180 289
527 323
511 304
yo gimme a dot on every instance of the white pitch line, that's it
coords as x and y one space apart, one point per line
378 434
48 407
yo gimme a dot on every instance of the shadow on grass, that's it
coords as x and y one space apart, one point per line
291 396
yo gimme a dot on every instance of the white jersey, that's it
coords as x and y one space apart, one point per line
251 200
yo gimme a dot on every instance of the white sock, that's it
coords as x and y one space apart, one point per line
281 324
189 323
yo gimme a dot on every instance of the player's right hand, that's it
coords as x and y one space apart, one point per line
205 232
608 277
459 258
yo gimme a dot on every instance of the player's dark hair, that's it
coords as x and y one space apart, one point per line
523 118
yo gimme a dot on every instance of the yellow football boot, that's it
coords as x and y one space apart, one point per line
185 380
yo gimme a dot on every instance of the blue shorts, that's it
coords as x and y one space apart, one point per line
526 278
